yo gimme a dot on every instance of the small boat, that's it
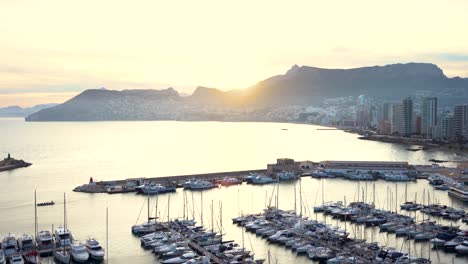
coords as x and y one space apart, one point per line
287 176
437 161
16 259
227 181
183 258
9 245
396 177
32 257
199 260
157 189
262 180
95 250
198 185
78 253
62 256
321 174
46 203
462 248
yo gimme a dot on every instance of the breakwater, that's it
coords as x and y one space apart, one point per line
126 184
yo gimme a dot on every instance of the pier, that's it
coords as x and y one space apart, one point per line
126 185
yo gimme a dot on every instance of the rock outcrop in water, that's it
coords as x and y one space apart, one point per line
10 164
299 86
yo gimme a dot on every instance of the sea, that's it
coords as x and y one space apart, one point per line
67 154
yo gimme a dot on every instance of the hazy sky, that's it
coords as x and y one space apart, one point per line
52 49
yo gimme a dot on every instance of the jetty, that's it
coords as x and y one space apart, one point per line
129 185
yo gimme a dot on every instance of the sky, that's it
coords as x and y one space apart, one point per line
50 50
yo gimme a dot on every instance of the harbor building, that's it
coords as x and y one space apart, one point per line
365 166
429 116
283 165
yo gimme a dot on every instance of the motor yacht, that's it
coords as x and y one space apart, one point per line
45 243
78 253
9 245
63 237
198 185
459 193
287 176
94 249
25 243
262 180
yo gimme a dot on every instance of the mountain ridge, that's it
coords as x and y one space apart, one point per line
300 85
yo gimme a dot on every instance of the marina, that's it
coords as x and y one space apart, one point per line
56 171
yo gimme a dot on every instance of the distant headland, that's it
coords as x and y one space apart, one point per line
10 163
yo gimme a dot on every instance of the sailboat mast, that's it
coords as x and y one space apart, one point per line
300 196
396 198
323 194
221 219
168 208
295 201
201 213
64 212
212 218
156 209
107 234
35 214
183 198
149 217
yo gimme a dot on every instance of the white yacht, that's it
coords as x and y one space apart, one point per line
25 243
287 176
198 185
358 176
63 237
2 257
78 253
16 259
156 189
396 177
62 255
94 249
9 245
45 243
262 180
459 193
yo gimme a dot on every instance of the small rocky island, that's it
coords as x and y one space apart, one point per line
10 163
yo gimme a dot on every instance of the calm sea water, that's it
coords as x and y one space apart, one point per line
65 155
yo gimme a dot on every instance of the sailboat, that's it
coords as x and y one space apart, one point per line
63 239
147 227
